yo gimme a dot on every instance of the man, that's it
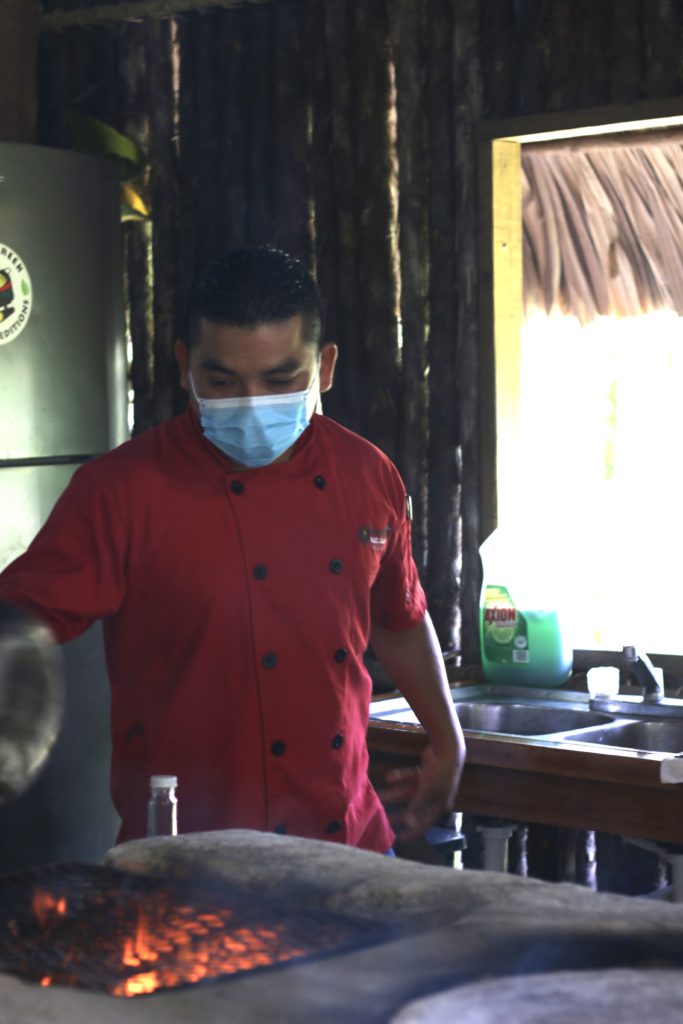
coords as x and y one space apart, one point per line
241 557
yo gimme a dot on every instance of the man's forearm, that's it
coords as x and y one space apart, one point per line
413 661
416 797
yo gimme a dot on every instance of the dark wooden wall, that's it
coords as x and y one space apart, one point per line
345 132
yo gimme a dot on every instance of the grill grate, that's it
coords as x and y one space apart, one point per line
126 934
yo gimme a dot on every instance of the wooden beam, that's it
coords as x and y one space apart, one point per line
507 317
111 14
588 121
18 70
501 322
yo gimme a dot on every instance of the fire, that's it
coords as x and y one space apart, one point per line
199 948
139 949
47 908
139 985
134 939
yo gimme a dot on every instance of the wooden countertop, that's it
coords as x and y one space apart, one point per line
570 784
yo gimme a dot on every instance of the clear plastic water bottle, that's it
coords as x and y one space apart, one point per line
162 809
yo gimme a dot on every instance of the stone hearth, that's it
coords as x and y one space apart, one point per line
475 946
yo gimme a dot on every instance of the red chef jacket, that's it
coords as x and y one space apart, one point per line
236 607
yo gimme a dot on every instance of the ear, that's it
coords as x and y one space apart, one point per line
328 359
183 359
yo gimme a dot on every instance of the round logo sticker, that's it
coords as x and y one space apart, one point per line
16 294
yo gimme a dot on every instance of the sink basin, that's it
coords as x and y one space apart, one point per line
525 719
507 718
660 736
661 732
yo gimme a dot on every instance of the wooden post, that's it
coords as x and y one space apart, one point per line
18 63
443 470
408 42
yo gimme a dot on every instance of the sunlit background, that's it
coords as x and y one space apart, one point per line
599 467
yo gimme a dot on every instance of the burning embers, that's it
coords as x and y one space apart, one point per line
46 908
129 935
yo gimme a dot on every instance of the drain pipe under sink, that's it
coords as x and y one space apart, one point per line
495 835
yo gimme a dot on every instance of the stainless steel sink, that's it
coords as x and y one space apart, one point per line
507 717
657 728
659 736
525 719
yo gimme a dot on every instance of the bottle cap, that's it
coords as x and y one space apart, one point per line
163 781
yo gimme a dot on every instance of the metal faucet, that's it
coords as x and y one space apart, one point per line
640 668
643 671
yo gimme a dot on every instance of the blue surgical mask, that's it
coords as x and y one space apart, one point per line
255 431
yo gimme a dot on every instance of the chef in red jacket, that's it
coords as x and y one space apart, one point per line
241 557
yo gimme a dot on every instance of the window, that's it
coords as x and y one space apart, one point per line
586 409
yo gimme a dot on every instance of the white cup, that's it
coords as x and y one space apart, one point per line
603 681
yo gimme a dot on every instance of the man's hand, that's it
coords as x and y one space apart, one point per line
415 798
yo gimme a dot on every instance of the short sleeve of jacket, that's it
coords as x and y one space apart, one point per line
74 570
397 600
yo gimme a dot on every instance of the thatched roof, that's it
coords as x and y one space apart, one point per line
603 225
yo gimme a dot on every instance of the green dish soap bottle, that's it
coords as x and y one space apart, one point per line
523 632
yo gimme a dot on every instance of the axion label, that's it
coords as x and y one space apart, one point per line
502 615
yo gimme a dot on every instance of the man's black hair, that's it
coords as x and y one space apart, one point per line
252 286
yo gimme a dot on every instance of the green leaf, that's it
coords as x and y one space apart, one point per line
90 135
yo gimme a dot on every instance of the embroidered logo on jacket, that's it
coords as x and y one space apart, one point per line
376 537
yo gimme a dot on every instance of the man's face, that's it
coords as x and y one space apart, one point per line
237 362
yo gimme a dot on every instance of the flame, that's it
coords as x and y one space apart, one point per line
48 908
153 944
138 985
140 948
200 947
